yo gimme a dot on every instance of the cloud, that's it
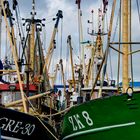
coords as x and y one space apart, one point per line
48 9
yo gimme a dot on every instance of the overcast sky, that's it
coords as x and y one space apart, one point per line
48 9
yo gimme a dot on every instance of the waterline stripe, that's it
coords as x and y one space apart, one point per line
99 129
9 138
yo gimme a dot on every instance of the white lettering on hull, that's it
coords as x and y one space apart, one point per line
16 126
77 123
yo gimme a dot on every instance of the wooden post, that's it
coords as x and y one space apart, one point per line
29 98
125 46
15 58
32 46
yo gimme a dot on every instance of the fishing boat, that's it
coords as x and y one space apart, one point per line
24 84
16 125
109 117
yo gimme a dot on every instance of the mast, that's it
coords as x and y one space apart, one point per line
99 44
125 62
81 47
78 2
90 71
104 59
32 45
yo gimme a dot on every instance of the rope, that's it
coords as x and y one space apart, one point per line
38 117
46 128
55 114
42 121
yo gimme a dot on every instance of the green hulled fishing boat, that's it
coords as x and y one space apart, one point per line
111 117
114 117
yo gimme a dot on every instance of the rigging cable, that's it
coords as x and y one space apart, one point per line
44 40
20 19
110 64
39 117
113 38
67 62
130 37
50 17
61 38
138 9
59 51
107 49
120 21
115 31
48 22
75 52
17 18
19 27
106 17
6 43
107 28
61 41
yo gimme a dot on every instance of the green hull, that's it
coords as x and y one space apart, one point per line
114 118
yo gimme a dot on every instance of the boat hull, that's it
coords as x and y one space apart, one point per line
116 117
15 125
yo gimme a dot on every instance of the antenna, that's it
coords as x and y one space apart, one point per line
78 2
33 13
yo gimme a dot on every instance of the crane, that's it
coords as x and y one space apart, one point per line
71 59
52 46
